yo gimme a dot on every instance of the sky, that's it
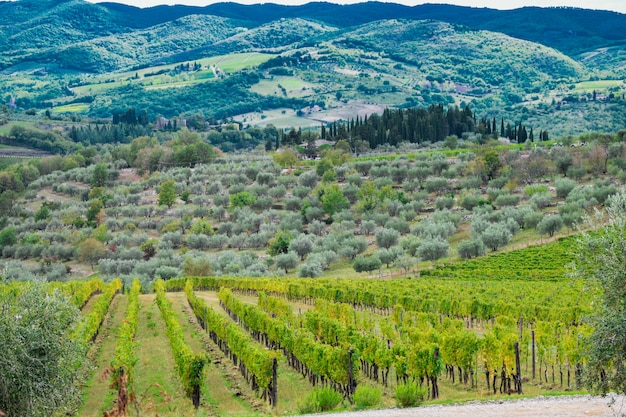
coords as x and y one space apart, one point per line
615 5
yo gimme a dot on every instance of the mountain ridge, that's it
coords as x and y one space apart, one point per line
551 25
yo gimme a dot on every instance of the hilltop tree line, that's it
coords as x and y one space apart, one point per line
420 125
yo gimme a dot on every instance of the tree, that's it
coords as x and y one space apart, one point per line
386 238
279 243
8 236
470 248
600 259
100 175
149 248
167 194
433 249
242 199
93 212
197 267
333 199
496 235
302 245
549 225
286 158
91 251
7 203
38 361
366 263
286 261
387 256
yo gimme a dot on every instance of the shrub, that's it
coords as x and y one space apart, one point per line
366 396
409 395
319 400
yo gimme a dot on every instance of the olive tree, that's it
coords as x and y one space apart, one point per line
301 245
366 263
549 225
433 249
287 261
386 238
495 236
39 359
600 259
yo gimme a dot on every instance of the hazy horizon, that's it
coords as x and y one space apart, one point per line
611 5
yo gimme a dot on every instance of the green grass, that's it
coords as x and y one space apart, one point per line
6 129
597 85
98 394
217 390
156 383
227 63
71 108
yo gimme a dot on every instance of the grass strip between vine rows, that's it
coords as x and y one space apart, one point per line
125 358
320 362
255 360
88 329
190 365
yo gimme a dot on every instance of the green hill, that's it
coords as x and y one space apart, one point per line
140 47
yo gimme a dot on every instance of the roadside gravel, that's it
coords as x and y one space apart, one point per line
564 406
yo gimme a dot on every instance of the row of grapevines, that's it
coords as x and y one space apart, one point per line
455 298
79 292
190 366
330 331
540 262
276 307
317 360
258 363
88 328
125 358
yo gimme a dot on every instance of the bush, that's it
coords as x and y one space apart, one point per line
319 400
366 396
409 395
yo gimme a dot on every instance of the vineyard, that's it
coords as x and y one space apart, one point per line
257 346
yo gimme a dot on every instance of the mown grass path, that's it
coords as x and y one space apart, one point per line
221 395
89 306
157 388
292 387
98 397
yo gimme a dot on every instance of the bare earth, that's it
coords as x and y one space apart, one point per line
566 406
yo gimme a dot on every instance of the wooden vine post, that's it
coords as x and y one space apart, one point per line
351 379
533 349
518 369
274 389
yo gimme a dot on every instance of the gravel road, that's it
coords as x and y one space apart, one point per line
565 406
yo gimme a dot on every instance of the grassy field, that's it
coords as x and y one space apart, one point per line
158 77
587 86
71 108
292 86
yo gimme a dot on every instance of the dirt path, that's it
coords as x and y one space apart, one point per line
566 406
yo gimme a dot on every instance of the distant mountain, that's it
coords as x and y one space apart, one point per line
228 59
570 30
143 46
80 32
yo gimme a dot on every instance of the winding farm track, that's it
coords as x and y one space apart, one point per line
566 406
